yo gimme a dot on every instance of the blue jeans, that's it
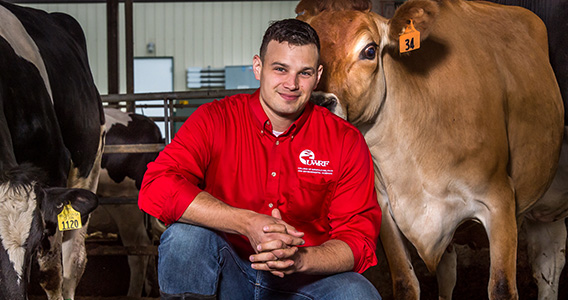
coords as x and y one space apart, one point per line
198 263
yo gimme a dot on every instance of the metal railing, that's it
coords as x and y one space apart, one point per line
190 99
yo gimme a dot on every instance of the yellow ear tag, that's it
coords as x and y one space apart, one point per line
69 219
410 39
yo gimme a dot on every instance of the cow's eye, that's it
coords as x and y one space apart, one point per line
370 52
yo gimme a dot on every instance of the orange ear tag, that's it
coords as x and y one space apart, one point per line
410 39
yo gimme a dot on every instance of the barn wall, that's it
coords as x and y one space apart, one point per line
196 34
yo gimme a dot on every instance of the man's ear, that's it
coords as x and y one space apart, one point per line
256 66
319 72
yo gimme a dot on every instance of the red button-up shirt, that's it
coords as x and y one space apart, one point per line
318 173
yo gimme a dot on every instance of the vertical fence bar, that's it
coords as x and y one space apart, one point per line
166 121
112 46
129 37
172 121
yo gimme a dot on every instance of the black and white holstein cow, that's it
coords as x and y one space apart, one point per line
121 176
51 141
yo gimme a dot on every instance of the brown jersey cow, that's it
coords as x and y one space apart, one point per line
467 127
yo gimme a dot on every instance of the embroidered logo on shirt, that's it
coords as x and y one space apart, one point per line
308 158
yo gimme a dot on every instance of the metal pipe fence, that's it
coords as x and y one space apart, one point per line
171 102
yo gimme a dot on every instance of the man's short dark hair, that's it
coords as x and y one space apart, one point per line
293 31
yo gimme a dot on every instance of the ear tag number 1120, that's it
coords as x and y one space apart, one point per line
69 219
410 39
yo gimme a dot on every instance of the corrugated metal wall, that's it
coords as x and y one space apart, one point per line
196 34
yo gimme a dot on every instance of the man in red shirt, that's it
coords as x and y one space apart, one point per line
267 196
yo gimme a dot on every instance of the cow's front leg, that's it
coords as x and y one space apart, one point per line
132 233
546 245
73 248
447 273
74 260
50 268
405 284
501 226
404 280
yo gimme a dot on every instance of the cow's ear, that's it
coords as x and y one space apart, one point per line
423 12
55 199
309 8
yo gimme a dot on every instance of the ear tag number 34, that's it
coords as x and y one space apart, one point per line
69 219
410 39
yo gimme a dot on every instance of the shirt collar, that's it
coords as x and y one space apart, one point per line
263 123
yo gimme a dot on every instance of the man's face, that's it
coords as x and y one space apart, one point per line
288 75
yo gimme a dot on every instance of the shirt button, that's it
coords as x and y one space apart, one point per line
262 131
273 174
277 143
270 205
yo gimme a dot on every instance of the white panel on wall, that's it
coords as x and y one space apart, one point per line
206 34
196 34
153 74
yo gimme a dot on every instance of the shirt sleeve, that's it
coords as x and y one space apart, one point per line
355 215
174 179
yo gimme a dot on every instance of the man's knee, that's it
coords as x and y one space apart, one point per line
188 260
190 238
361 290
354 286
